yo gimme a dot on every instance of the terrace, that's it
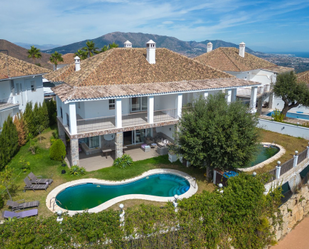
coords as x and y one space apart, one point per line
7 103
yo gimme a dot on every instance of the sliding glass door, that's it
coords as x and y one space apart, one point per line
139 104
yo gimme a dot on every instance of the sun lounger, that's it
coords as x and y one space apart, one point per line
34 186
22 205
23 214
34 179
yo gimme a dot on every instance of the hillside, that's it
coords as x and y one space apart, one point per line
188 48
21 53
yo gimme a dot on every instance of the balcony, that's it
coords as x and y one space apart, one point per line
131 120
7 103
246 92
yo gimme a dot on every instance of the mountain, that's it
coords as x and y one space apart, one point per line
22 53
188 48
42 47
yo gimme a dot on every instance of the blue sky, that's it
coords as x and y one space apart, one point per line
279 25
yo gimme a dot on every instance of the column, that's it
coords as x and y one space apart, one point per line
150 109
118 113
119 144
179 105
228 93
72 116
278 170
295 159
214 177
253 99
205 94
234 93
271 101
74 152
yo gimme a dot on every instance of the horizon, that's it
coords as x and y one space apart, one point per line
273 26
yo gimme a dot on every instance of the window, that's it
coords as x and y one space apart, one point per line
139 104
17 88
61 115
78 105
94 142
33 86
68 120
111 104
12 88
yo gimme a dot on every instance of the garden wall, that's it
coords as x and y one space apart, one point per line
293 211
283 128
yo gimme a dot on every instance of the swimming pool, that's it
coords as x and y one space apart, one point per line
300 115
96 195
264 153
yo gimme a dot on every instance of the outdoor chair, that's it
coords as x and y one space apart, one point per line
15 205
23 214
34 179
34 186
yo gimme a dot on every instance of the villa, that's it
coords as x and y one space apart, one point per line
126 96
248 67
20 83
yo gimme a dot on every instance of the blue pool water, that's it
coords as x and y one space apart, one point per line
89 195
300 115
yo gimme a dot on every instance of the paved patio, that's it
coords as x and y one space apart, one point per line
99 161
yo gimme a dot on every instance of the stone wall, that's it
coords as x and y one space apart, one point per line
293 211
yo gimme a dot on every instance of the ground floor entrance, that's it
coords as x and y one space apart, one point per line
136 136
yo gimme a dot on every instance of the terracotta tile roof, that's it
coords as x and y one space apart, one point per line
228 59
129 66
303 77
11 67
67 92
67 59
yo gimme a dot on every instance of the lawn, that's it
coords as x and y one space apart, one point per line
42 165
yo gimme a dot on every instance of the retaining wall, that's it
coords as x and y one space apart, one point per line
283 128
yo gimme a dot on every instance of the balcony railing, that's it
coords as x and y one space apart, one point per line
6 101
133 119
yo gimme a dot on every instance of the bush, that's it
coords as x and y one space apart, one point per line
278 116
54 137
1 202
57 150
76 170
123 162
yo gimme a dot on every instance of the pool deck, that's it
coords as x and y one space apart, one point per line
53 207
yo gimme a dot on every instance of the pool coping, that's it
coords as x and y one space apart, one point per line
280 153
53 207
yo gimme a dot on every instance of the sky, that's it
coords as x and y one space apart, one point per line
267 26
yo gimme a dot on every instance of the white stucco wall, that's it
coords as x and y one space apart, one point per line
5 89
164 102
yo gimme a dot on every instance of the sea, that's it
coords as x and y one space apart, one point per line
294 54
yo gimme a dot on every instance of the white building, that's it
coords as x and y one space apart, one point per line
124 96
245 66
20 82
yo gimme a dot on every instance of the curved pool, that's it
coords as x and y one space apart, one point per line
89 195
96 195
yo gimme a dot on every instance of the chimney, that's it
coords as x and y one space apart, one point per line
151 52
209 47
77 63
242 48
127 44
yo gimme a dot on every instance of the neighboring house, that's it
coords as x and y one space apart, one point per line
67 59
20 82
245 66
125 95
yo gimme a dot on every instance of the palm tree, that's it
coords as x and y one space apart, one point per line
105 48
55 58
113 45
90 48
34 53
81 54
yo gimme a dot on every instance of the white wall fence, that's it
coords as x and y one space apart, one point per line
283 128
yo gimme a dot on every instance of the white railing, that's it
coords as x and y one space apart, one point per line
7 101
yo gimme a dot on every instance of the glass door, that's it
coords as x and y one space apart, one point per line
139 104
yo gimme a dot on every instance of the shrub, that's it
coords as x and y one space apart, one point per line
123 162
33 146
54 137
57 150
278 116
1 202
76 170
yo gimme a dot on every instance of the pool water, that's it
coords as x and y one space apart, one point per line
264 153
89 195
293 115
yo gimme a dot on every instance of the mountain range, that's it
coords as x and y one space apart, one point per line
138 40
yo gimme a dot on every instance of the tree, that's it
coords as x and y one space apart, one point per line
29 120
8 142
216 134
90 48
113 45
57 150
55 58
34 53
293 93
81 54
52 112
21 128
105 48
